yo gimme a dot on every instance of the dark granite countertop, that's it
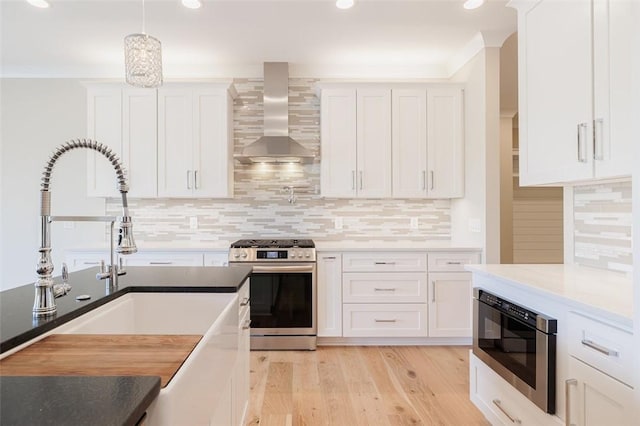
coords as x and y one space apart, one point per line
72 400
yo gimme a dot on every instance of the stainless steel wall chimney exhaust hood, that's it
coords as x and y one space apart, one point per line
275 146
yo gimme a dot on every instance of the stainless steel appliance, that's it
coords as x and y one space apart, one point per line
518 344
282 291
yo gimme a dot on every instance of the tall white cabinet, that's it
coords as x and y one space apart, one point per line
385 141
574 103
176 141
124 119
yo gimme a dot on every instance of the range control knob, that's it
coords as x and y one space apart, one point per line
244 254
307 255
236 255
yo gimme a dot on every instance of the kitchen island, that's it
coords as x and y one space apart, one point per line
124 399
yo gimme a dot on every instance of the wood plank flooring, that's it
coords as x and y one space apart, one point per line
357 385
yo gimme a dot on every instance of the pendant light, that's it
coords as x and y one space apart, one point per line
143 58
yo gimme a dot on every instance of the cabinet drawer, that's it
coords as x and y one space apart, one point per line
451 261
384 262
392 320
603 346
164 259
370 287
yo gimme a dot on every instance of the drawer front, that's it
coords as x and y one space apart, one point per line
392 320
384 262
164 259
603 346
368 287
451 261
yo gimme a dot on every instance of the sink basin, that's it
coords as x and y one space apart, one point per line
199 383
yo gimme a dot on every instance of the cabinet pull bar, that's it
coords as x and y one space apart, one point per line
361 179
384 263
582 130
454 263
90 263
188 179
424 180
245 301
384 289
602 349
598 139
433 293
160 263
567 401
353 180
384 320
195 179
498 404
247 325
329 257
432 177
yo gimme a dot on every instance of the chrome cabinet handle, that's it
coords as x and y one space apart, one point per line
567 402
432 177
329 257
598 139
433 293
454 263
283 269
384 289
245 301
247 325
602 349
353 180
384 320
498 404
188 179
90 263
384 263
195 179
582 136
160 263
424 180
361 179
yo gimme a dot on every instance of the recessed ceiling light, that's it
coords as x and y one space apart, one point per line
472 4
192 4
39 3
344 4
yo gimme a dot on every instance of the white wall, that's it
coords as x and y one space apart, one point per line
36 116
481 204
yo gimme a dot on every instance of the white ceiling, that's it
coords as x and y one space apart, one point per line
376 38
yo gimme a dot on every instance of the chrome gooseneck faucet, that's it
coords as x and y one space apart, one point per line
45 291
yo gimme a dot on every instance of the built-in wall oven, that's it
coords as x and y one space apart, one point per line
519 344
282 290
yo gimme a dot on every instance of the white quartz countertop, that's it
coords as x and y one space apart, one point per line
596 288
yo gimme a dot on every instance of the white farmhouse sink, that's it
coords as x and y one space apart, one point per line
191 395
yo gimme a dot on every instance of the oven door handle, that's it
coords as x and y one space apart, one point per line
269 269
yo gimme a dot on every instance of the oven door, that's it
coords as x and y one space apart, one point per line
521 354
283 299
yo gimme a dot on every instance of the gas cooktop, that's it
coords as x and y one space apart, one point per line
273 243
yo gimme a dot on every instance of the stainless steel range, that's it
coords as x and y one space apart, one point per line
283 292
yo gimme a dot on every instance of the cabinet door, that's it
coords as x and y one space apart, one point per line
139 141
445 143
329 294
613 25
338 143
409 143
104 124
597 399
216 258
212 149
555 89
175 142
450 299
373 143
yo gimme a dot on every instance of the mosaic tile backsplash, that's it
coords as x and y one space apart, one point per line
261 206
602 226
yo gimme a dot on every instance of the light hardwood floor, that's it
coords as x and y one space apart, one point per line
357 385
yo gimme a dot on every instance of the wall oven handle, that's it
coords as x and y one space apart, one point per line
269 269
567 400
602 349
498 404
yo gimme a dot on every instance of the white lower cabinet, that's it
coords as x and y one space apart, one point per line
163 259
240 403
597 399
223 413
329 318
385 320
450 306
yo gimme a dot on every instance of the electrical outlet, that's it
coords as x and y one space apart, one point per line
475 225
69 225
338 223
193 222
414 223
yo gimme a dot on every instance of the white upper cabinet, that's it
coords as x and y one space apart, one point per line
124 119
574 76
384 142
428 144
195 141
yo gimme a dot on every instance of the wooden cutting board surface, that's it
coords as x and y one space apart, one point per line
102 355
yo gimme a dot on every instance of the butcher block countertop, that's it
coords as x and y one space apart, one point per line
102 355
